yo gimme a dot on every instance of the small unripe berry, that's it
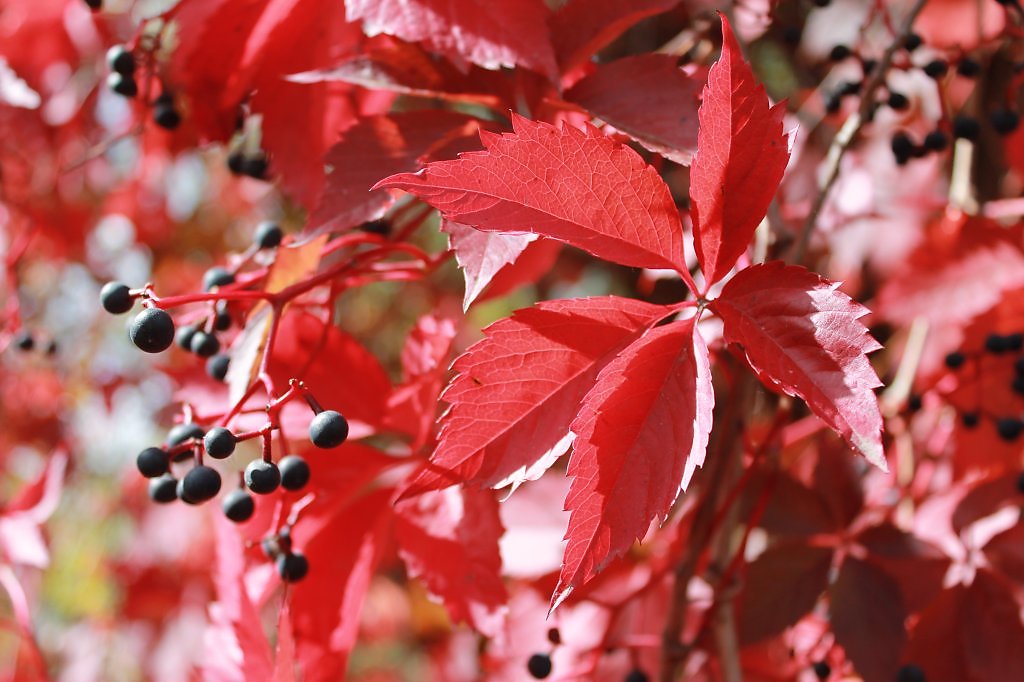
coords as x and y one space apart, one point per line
200 484
268 235
163 489
328 429
152 462
294 472
152 330
116 298
238 506
204 345
292 566
539 666
217 366
262 477
217 277
219 442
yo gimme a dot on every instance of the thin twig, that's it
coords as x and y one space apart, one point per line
844 138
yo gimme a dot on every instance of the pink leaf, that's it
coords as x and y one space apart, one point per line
574 186
412 406
582 27
518 390
376 147
802 335
449 540
489 34
482 254
649 98
641 432
741 156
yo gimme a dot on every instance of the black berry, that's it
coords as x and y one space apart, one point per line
328 429
902 147
936 141
966 127
539 666
292 566
1017 385
94 5
120 60
1020 483
222 320
1014 341
839 53
219 442
116 298
1009 428
268 235
995 344
122 84
217 366
183 432
968 68
914 402
238 506
1004 121
849 88
204 345
152 462
955 360
236 162
200 484
833 103
554 636
822 670
183 338
152 330
912 42
262 477
217 277
821 3
166 116
637 675
379 226
24 341
1018 366
936 68
911 673
868 65
898 101
970 420
163 489
256 166
294 472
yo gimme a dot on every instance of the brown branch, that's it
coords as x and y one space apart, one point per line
844 138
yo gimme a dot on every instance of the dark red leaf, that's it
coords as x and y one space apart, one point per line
582 27
518 390
575 186
934 644
649 98
491 35
984 499
741 155
374 148
867 618
782 586
805 337
991 629
1005 551
449 540
640 434
918 567
792 509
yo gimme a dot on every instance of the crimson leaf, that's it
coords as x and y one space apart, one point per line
741 156
518 390
803 336
574 186
641 432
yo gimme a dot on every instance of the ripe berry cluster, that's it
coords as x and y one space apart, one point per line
1008 346
291 565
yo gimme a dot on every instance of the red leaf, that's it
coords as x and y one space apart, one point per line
412 406
376 147
489 34
804 336
518 390
782 586
575 186
741 156
449 540
985 498
649 98
305 348
918 567
482 254
641 432
867 618
991 630
1005 551
343 543
582 27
